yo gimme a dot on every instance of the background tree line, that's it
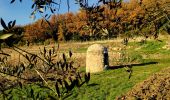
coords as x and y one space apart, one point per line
133 18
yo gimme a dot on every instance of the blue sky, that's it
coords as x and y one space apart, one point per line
21 11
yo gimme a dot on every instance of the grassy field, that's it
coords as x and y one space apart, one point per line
111 83
148 58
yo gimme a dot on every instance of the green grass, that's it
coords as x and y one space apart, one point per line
152 46
81 50
112 83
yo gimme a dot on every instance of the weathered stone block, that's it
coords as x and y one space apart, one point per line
96 58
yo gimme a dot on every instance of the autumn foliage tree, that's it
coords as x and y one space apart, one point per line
37 31
157 14
129 19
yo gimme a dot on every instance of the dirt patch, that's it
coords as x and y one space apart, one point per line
156 87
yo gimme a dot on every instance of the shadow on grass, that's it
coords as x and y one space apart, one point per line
93 84
131 65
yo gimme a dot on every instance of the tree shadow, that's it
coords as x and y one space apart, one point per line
131 65
93 84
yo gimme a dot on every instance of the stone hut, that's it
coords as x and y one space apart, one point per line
96 58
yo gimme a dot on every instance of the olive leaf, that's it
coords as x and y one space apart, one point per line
12 1
87 77
13 23
9 24
5 36
57 89
3 24
70 53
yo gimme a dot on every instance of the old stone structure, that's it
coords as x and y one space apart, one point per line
96 58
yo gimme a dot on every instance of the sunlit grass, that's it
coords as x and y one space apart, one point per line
112 83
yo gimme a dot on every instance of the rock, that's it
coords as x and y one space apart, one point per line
96 58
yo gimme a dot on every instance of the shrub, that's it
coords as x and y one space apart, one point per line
56 77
